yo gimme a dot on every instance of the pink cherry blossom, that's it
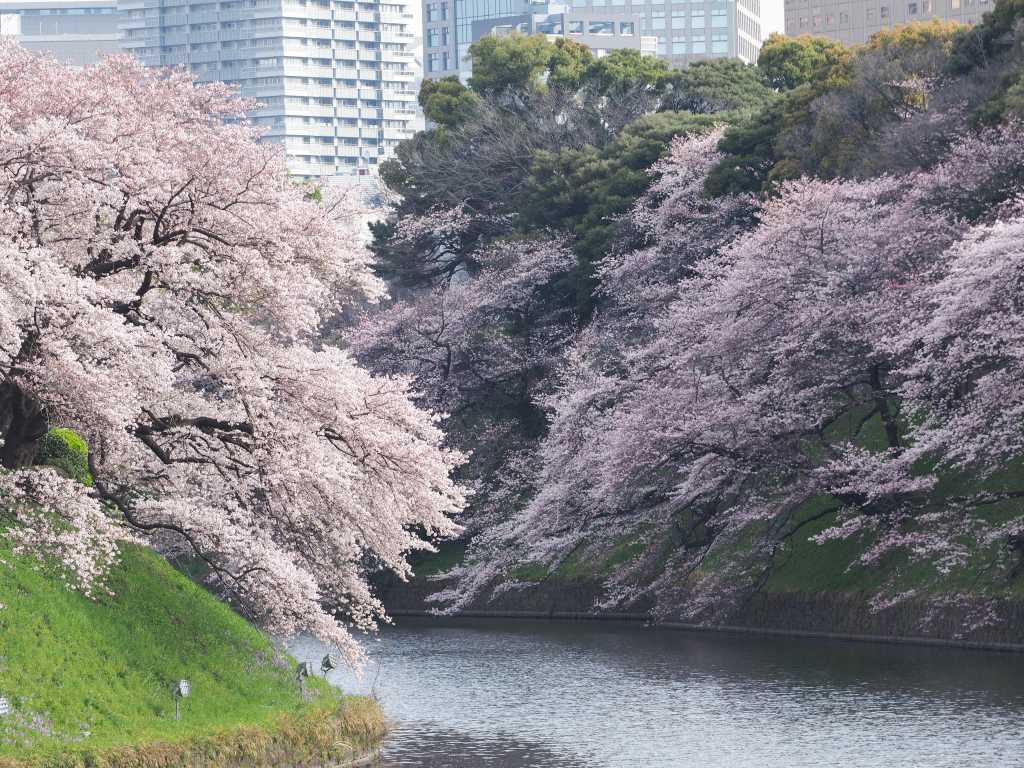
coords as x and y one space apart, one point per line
162 288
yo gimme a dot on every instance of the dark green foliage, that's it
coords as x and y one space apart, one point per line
64 450
842 112
976 47
717 85
446 101
580 190
992 54
624 69
568 63
584 191
515 62
750 154
559 139
481 161
785 63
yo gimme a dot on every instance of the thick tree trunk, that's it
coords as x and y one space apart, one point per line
889 418
22 425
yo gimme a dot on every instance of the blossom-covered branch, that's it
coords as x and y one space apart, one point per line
162 287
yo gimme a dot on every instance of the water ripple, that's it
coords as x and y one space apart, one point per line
531 694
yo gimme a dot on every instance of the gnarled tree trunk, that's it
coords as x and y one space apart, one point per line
22 425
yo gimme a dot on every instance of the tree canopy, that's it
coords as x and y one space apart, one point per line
446 101
513 61
162 287
745 320
786 63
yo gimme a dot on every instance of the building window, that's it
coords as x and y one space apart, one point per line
697 19
602 27
720 42
926 6
437 62
883 12
844 18
575 27
627 28
678 45
912 8
678 19
698 46
437 37
719 19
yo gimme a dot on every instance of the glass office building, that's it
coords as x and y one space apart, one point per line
680 32
854 21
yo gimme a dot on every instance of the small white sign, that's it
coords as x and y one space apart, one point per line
5 706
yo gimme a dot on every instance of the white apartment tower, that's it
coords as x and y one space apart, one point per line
334 78
75 32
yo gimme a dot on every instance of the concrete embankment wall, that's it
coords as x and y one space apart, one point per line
826 615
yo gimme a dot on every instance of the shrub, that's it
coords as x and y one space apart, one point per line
66 451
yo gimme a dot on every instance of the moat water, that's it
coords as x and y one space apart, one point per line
538 694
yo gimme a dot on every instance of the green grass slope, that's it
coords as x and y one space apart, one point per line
91 680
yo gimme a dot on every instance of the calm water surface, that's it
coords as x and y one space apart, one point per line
535 694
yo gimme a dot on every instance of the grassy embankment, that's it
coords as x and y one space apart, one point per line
91 680
803 566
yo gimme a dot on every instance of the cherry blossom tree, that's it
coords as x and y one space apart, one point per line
480 344
962 388
820 357
162 289
483 334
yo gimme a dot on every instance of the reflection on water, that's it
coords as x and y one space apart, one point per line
430 744
535 694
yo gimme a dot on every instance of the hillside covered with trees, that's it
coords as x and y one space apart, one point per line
693 325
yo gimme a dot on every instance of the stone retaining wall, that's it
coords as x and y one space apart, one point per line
829 615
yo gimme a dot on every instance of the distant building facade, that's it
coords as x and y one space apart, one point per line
335 78
679 31
76 32
855 21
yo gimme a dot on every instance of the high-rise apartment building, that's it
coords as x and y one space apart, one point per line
680 31
334 78
854 21
76 32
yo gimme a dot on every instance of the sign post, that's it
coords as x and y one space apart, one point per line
181 691
305 669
